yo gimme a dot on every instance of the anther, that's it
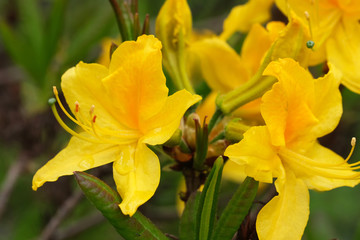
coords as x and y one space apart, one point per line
55 91
353 141
94 119
77 106
92 109
307 15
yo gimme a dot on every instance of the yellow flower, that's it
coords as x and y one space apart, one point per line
224 69
174 29
242 17
106 43
297 111
129 108
335 28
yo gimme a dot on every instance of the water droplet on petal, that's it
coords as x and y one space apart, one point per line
125 163
87 162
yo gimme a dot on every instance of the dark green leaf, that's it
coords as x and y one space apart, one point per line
208 201
54 27
107 201
189 218
236 210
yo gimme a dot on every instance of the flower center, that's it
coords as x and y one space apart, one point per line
92 132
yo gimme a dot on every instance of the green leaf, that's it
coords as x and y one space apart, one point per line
107 201
208 201
55 26
88 35
187 228
236 210
11 42
32 33
202 136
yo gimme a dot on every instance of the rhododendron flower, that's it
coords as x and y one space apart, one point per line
335 28
242 17
297 111
129 108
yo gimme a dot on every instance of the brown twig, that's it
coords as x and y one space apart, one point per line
60 215
10 181
80 226
171 236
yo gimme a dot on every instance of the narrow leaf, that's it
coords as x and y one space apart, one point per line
107 201
11 43
208 201
236 210
55 26
188 219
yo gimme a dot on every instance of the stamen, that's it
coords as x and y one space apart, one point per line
92 109
307 15
69 130
309 44
353 142
100 135
56 93
321 167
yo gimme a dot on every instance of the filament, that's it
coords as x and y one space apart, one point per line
97 134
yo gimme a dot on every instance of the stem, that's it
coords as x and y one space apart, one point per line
10 181
60 215
120 20
217 116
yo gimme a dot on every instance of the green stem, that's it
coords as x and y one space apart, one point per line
120 20
217 116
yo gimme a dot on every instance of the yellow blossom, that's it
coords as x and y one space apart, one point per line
242 17
297 111
335 29
120 109
106 43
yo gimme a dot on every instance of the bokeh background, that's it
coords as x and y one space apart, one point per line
39 40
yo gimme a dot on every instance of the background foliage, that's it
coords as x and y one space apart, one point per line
39 41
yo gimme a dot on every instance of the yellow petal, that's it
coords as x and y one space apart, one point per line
174 16
138 184
291 99
207 107
257 43
104 58
291 42
323 16
136 84
161 127
286 215
220 65
234 172
328 105
243 16
83 84
262 165
79 155
250 111
325 182
343 51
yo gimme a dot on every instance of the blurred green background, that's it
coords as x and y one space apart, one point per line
39 40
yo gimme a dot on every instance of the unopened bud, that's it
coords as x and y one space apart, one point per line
175 139
234 131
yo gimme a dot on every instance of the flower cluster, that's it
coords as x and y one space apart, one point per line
267 110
